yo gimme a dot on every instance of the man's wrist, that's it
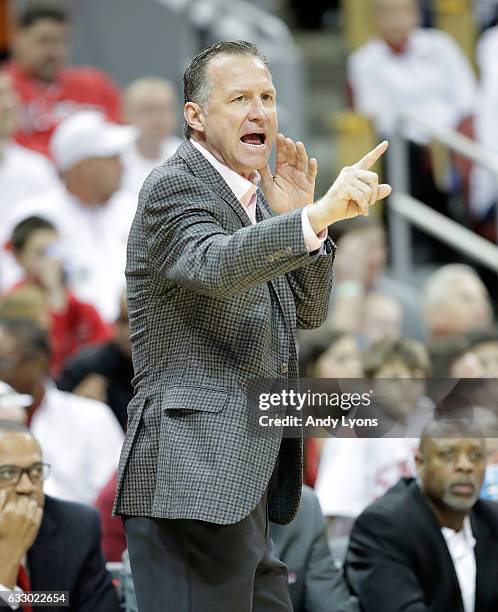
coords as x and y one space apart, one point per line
317 217
8 572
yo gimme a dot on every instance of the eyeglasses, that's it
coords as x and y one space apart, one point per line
12 474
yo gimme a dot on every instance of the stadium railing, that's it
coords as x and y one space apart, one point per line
405 211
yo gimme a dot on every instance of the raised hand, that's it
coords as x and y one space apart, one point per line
293 184
20 519
353 192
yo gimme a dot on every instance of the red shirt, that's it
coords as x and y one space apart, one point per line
113 540
44 106
79 325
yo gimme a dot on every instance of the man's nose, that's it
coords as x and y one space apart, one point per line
25 485
257 111
464 464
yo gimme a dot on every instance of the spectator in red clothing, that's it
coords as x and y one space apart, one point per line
49 90
113 540
74 324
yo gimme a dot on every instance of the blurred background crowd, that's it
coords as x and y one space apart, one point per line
91 102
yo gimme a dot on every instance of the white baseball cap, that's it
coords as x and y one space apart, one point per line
10 397
88 134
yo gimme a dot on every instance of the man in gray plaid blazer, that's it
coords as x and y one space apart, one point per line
219 277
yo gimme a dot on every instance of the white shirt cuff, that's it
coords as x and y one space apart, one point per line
312 241
3 589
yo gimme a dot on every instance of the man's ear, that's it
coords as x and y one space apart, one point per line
193 116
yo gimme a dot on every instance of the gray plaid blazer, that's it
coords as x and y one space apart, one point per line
213 302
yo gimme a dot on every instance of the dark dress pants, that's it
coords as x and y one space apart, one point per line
181 565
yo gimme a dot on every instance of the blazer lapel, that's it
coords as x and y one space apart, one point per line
205 171
44 558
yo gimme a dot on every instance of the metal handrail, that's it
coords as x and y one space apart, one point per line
457 142
406 210
446 230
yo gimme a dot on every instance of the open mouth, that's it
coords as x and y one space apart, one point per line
254 139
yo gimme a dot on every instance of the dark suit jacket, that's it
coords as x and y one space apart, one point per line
214 301
398 559
66 556
315 584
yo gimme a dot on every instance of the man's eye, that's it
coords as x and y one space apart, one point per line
447 453
7 474
477 456
267 98
240 98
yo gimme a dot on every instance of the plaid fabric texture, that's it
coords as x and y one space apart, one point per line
213 302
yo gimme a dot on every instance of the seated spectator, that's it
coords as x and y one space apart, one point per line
315 584
46 544
48 89
325 354
453 358
91 214
382 318
484 346
375 464
13 405
360 269
455 302
26 303
430 543
73 324
419 70
23 173
329 354
150 105
407 68
104 372
81 438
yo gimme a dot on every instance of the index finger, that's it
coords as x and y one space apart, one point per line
370 158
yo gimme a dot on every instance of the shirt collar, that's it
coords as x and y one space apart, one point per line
242 188
466 532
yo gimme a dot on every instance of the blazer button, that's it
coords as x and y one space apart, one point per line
271 258
284 368
288 250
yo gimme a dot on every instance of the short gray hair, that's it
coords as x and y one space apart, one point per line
196 85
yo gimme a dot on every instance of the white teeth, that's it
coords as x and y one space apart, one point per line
254 146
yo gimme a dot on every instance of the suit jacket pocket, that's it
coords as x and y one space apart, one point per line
198 399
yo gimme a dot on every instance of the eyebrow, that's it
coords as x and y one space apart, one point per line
233 92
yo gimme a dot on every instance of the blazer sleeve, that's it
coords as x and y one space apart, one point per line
187 244
378 571
94 591
312 286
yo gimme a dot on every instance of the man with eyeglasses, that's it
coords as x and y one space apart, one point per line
46 544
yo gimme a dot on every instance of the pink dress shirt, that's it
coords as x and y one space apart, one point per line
245 192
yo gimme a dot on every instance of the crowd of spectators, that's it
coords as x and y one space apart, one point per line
74 152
